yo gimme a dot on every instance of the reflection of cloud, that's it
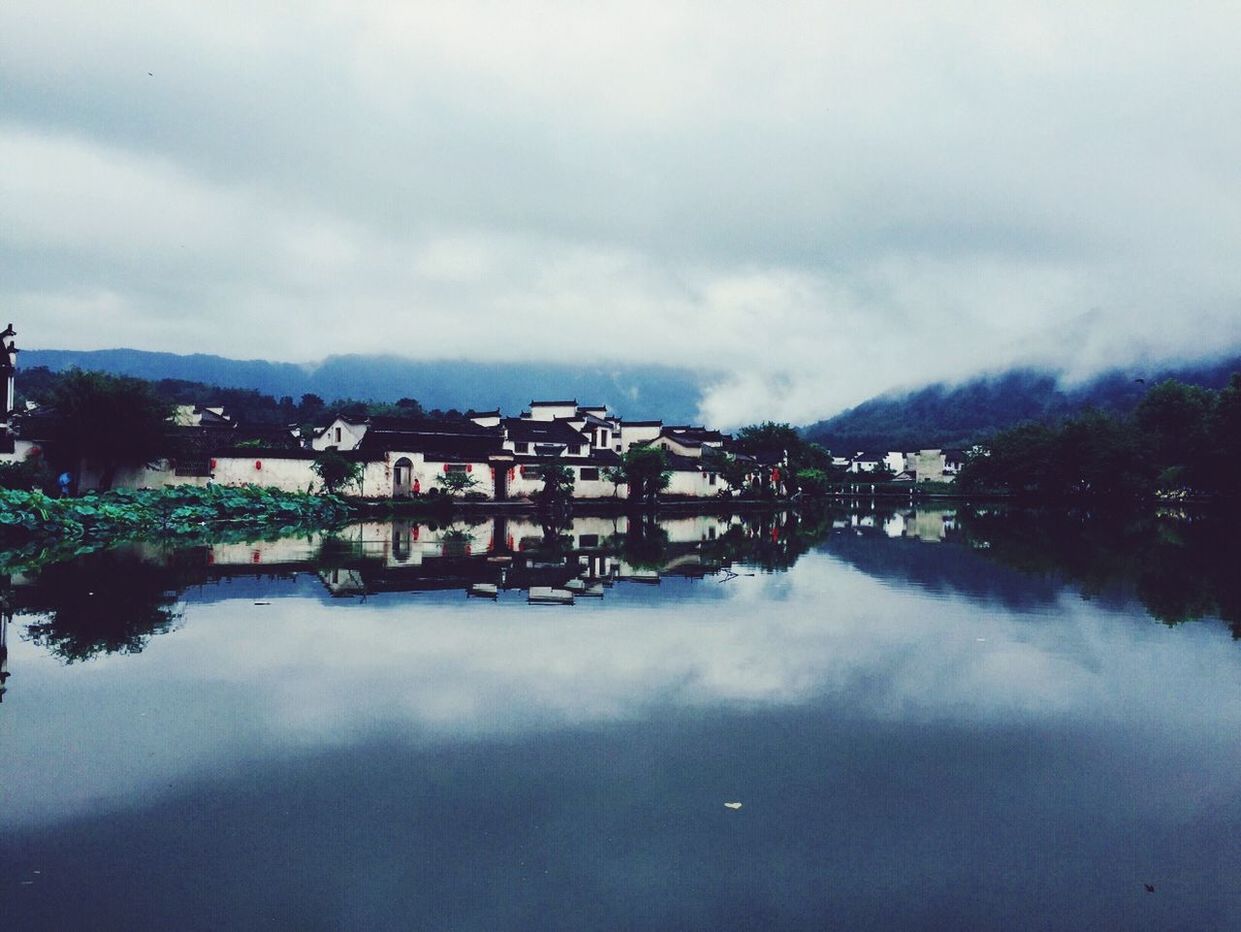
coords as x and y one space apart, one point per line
241 680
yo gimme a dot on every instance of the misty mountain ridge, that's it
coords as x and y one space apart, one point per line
961 414
636 391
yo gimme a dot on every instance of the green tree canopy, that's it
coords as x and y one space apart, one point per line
457 483
108 422
646 470
558 483
335 471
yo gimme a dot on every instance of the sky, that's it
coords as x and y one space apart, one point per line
823 200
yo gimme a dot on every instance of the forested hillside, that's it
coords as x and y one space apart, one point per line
635 391
960 415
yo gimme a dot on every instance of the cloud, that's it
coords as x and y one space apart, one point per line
826 201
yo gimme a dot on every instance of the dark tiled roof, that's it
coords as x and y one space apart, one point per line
603 458
642 423
553 404
472 413
598 458
680 438
768 457
697 433
455 425
442 447
522 431
685 464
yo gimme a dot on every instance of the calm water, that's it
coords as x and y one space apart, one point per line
932 720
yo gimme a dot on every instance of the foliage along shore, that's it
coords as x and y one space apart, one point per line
35 526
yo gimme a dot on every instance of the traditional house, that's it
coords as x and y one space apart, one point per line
929 466
632 432
343 434
417 455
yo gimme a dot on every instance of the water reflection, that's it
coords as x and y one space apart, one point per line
1177 566
328 732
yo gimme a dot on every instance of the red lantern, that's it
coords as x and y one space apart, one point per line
258 464
212 464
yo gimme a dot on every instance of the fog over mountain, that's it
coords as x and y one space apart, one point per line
636 392
964 413
819 201
942 414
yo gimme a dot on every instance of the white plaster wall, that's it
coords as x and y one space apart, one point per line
350 436
694 483
929 465
21 451
428 470
629 435
552 412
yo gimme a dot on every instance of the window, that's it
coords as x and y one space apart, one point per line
338 435
588 540
579 450
521 447
456 467
710 478
590 474
531 472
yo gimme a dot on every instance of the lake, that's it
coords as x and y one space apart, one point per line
932 719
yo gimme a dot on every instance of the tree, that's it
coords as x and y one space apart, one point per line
616 476
813 482
335 471
736 472
558 482
1175 421
1226 429
646 469
310 407
108 422
456 483
771 437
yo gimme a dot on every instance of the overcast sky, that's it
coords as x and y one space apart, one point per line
829 200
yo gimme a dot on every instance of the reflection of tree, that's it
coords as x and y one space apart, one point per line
773 541
645 545
1180 568
336 552
103 603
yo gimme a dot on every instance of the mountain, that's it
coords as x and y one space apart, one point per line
637 392
959 415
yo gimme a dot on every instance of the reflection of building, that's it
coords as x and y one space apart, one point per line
515 553
6 613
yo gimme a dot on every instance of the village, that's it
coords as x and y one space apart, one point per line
479 455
